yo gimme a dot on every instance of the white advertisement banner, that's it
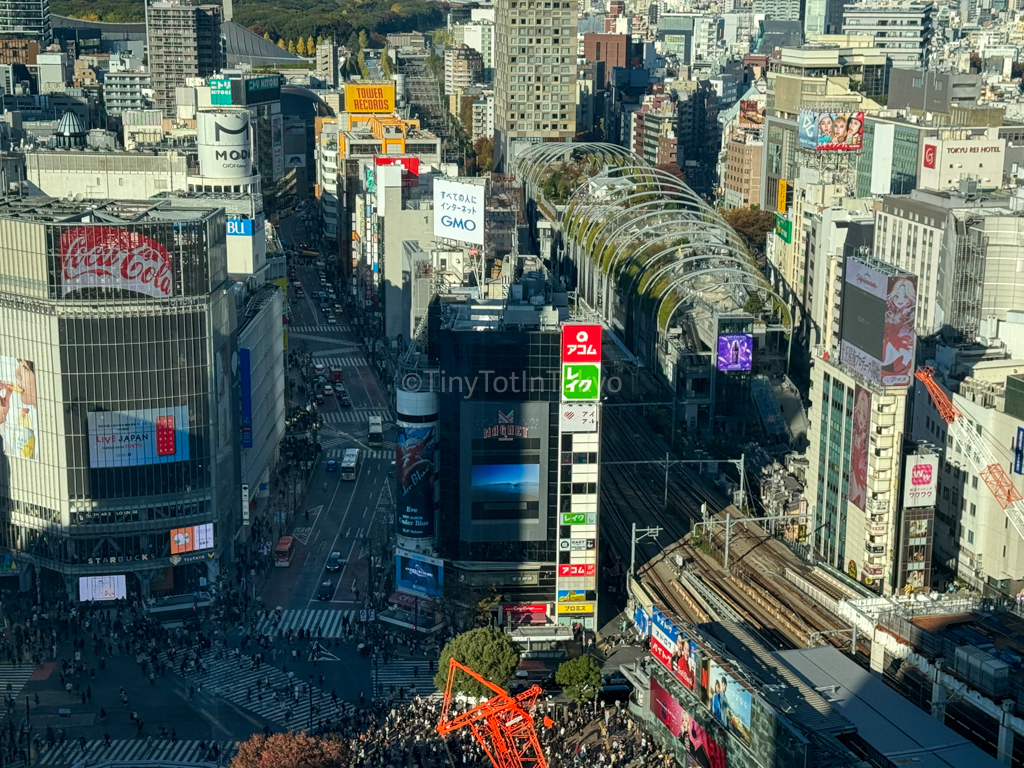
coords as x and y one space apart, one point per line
577 418
459 211
96 588
921 482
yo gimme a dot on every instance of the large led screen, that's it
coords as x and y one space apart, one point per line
858 488
419 573
878 316
503 472
728 702
99 588
19 421
735 351
138 437
414 460
191 538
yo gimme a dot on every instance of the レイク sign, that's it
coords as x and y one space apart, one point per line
108 257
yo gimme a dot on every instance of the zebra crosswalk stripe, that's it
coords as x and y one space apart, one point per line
278 698
329 621
16 677
399 675
351 416
373 453
323 328
341 362
157 750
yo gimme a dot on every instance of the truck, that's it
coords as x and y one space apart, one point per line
336 374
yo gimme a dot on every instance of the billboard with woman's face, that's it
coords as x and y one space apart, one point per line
19 422
832 131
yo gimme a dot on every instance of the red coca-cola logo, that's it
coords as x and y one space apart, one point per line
93 257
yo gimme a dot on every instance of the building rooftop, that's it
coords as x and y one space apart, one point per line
46 210
888 723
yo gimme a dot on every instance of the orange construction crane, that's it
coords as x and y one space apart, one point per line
502 725
980 455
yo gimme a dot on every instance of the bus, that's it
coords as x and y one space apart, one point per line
283 552
376 432
350 464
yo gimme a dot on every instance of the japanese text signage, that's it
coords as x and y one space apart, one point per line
220 92
581 382
581 343
459 211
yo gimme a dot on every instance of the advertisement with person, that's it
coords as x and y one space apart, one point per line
735 351
840 131
19 422
899 336
859 447
728 701
751 114
414 467
701 750
686 662
666 709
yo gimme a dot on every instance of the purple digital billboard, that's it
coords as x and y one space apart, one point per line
735 351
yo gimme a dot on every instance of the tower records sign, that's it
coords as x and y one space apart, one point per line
225 144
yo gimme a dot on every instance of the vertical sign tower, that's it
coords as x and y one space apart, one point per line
578 494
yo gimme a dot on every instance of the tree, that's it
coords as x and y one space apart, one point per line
319 39
364 70
441 37
386 64
310 46
290 750
266 35
300 47
487 651
751 226
363 39
281 44
291 47
580 678
484 148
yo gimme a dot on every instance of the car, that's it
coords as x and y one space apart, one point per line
340 392
337 309
319 367
332 320
334 562
328 389
345 401
326 590
332 466
319 399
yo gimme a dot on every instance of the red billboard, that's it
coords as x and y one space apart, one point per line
577 569
581 343
108 257
929 155
701 749
410 168
859 447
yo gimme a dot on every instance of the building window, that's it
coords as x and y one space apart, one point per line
970 537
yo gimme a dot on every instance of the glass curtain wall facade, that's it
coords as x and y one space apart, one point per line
120 454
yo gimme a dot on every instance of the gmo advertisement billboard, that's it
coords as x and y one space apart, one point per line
138 437
878 315
414 462
419 573
831 131
735 351
459 211
19 422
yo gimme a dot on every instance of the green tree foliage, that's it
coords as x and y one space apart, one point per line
287 19
441 37
580 678
435 65
363 39
487 651
319 39
484 148
751 226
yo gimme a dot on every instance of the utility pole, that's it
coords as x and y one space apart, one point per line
644 533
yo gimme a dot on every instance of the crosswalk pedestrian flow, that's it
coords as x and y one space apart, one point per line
324 328
13 679
324 623
341 362
147 750
403 679
264 690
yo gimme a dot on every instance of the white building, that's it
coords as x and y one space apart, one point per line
105 175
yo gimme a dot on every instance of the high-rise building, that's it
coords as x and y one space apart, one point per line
822 17
904 29
463 67
26 19
119 466
534 75
184 41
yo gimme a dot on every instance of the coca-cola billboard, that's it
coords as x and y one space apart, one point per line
109 257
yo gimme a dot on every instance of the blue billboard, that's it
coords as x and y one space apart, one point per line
1018 454
245 374
419 573
239 227
641 620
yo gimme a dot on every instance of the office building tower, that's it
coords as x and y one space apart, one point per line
534 74
904 30
119 453
184 41
29 19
